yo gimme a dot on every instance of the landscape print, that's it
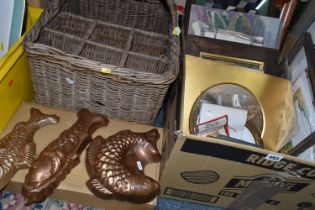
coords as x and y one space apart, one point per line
234 26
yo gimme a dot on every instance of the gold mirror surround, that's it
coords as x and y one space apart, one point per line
234 96
273 94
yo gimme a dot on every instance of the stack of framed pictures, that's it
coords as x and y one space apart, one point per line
301 71
217 34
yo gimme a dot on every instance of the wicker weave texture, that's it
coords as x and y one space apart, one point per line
116 57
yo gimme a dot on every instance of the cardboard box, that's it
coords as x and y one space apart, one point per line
213 172
73 188
226 174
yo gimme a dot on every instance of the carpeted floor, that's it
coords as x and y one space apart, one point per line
14 201
169 204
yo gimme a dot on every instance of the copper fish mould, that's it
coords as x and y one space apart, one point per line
116 165
17 149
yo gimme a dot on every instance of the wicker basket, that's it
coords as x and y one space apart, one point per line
116 57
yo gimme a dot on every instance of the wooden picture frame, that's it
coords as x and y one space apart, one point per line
241 62
194 45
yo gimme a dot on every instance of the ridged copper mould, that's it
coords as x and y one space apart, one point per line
60 157
115 166
17 148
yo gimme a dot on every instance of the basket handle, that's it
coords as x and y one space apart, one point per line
170 3
56 3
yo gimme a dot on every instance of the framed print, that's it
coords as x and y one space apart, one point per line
301 69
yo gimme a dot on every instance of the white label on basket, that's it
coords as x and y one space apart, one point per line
274 157
139 165
106 71
176 31
69 81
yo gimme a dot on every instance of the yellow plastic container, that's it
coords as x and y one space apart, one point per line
15 79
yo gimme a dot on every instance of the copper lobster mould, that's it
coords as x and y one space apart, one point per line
60 157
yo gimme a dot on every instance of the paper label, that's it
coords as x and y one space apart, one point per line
106 71
176 31
274 157
69 81
211 125
139 165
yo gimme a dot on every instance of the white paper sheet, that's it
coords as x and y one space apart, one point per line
236 118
